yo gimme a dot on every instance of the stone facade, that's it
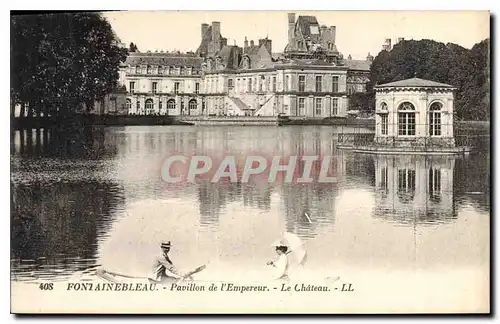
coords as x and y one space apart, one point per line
162 83
414 113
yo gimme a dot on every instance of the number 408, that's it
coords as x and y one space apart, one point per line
46 286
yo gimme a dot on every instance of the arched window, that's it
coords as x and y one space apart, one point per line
171 104
193 104
406 119
149 107
383 119
435 119
128 105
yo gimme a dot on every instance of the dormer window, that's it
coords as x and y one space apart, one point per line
246 63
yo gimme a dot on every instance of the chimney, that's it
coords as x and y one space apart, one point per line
204 28
333 31
245 43
291 27
369 57
388 43
216 36
251 43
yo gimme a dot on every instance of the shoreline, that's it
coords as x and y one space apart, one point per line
18 123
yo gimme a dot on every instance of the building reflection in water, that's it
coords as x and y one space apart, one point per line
414 189
317 200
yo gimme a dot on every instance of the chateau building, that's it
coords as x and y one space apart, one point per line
310 79
162 83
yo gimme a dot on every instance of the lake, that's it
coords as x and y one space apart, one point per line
97 198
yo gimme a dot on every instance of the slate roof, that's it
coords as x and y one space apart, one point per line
164 59
360 65
228 56
304 23
415 82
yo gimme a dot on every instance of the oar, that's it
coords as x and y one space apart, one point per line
187 275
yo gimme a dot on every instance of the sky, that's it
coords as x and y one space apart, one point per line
358 32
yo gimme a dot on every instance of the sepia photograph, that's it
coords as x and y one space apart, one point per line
250 162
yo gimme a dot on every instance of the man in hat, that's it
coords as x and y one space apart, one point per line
163 268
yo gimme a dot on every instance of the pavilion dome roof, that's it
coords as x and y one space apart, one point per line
415 83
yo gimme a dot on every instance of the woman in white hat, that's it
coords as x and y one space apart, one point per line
281 263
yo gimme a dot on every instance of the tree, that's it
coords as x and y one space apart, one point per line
447 63
60 61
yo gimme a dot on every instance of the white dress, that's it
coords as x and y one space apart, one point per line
281 267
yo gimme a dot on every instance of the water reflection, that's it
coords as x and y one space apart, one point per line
414 189
77 198
56 227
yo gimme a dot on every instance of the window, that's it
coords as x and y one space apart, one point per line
132 87
314 29
274 84
302 83
319 81
318 106
171 104
193 104
261 84
335 84
406 184
434 183
197 87
154 86
230 84
383 178
249 85
302 106
406 119
383 106
335 106
287 82
383 122
435 119
149 107
160 69
160 105
128 105
150 70
138 106
176 87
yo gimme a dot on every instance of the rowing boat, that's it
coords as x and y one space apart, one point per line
118 277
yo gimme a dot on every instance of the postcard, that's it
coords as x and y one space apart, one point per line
250 162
